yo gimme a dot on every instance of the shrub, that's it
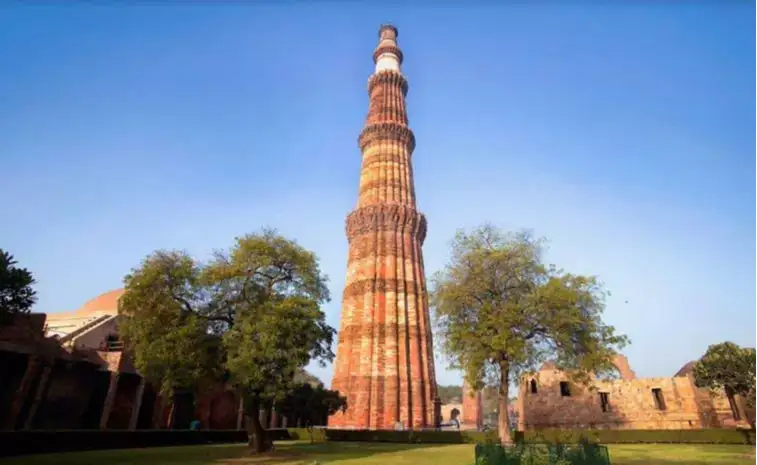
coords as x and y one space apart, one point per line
42 442
704 436
407 436
542 454
689 436
303 434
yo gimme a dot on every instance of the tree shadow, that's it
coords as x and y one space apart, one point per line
231 454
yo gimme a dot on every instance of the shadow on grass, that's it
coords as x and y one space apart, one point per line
227 454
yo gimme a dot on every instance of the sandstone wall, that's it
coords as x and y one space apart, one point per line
447 412
96 336
631 404
472 415
217 409
717 411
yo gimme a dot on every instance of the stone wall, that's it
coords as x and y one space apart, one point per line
643 403
218 409
472 409
93 338
65 397
630 404
469 412
24 330
449 409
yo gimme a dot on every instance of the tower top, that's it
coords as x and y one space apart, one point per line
387 55
387 31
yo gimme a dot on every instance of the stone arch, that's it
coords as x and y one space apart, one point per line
624 368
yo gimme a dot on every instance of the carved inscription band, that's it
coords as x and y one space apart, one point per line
388 77
386 217
382 286
381 380
391 185
357 332
377 157
386 131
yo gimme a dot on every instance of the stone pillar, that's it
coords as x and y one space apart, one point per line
109 399
284 422
157 412
137 404
171 420
274 419
32 369
262 417
38 396
240 414
204 410
437 412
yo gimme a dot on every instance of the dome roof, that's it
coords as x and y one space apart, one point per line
686 369
105 303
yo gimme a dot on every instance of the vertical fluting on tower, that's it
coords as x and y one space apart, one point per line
384 362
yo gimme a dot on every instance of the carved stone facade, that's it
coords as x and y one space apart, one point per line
385 361
549 400
69 371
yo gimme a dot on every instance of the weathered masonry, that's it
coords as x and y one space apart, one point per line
549 400
385 361
70 371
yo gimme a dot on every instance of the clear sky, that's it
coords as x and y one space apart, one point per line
624 134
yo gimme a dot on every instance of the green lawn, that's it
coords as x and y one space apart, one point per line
292 453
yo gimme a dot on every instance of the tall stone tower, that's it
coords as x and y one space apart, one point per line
385 361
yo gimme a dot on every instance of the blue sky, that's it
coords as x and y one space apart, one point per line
624 134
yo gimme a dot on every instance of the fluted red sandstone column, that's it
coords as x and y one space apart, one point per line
384 363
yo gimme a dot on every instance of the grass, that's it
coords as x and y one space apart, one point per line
345 453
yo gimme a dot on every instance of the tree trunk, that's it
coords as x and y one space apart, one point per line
257 436
503 421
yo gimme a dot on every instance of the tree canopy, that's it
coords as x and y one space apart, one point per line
250 315
450 394
500 311
16 293
729 367
308 405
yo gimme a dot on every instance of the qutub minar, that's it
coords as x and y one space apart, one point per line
385 361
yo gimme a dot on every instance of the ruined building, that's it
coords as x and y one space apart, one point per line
70 371
473 408
468 411
549 400
384 360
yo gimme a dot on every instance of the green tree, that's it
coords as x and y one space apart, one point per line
16 293
729 367
501 312
308 405
251 316
449 394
